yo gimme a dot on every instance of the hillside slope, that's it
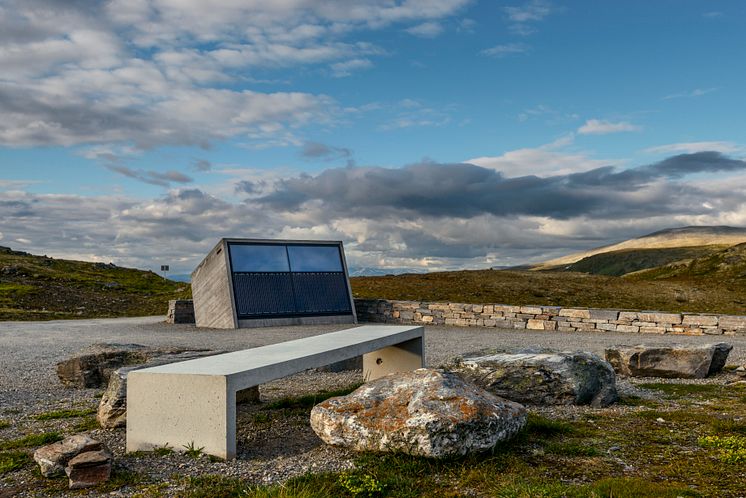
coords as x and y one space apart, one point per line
42 288
669 238
618 263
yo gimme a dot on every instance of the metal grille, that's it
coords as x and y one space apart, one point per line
263 293
321 292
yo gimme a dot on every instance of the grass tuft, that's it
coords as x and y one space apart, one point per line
59 414
308 400
31 441
13 460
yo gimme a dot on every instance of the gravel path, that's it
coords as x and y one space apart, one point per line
29 352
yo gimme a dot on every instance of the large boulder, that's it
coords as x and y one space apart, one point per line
542 378
425 412
53 458
93 366
112 409
685 362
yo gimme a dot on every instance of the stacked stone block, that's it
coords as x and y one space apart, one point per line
549 318
180 311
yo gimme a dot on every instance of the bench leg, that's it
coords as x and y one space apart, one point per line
409 355
181 410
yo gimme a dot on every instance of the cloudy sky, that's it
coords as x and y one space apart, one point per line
425 134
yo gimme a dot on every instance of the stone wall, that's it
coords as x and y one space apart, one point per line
180 311
550 318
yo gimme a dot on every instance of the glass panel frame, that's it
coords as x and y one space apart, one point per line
255 258
315 258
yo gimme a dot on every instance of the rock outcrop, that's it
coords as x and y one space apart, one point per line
685 362
112 409
567 378
93 366
425 412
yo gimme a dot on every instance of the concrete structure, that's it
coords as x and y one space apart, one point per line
194 402
259 283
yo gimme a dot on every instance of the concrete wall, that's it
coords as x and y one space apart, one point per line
549 318
213 291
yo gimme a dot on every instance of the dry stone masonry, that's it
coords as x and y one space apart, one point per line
549 318
180 311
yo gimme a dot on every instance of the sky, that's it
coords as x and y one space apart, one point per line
424 134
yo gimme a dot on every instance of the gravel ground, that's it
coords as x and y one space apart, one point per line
270 449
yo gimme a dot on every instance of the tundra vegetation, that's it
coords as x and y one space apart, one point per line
677 440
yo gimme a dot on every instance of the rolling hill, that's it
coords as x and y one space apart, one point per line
42 288
684 237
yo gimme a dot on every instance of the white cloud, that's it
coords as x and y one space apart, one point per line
506 49
522 17
546 160
603 127
697 92
691 147
346 68
426 30
535 10
148 73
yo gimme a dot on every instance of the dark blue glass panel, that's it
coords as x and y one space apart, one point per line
258 258
263 294
314 258
321 293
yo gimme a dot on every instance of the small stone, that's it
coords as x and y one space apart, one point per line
53 457
89 469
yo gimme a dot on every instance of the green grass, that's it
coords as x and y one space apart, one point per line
539 426
678 390
58 414
4 424
31 441
163 450
193 451
13 460
85 424
309 400
41 288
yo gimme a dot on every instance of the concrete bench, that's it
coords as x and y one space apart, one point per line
194 402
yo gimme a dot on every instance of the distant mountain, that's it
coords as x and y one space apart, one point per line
368 271
689 237
180 277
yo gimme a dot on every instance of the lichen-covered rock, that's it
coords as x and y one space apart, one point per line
89 469
685 362
424 412
53 458
543 378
